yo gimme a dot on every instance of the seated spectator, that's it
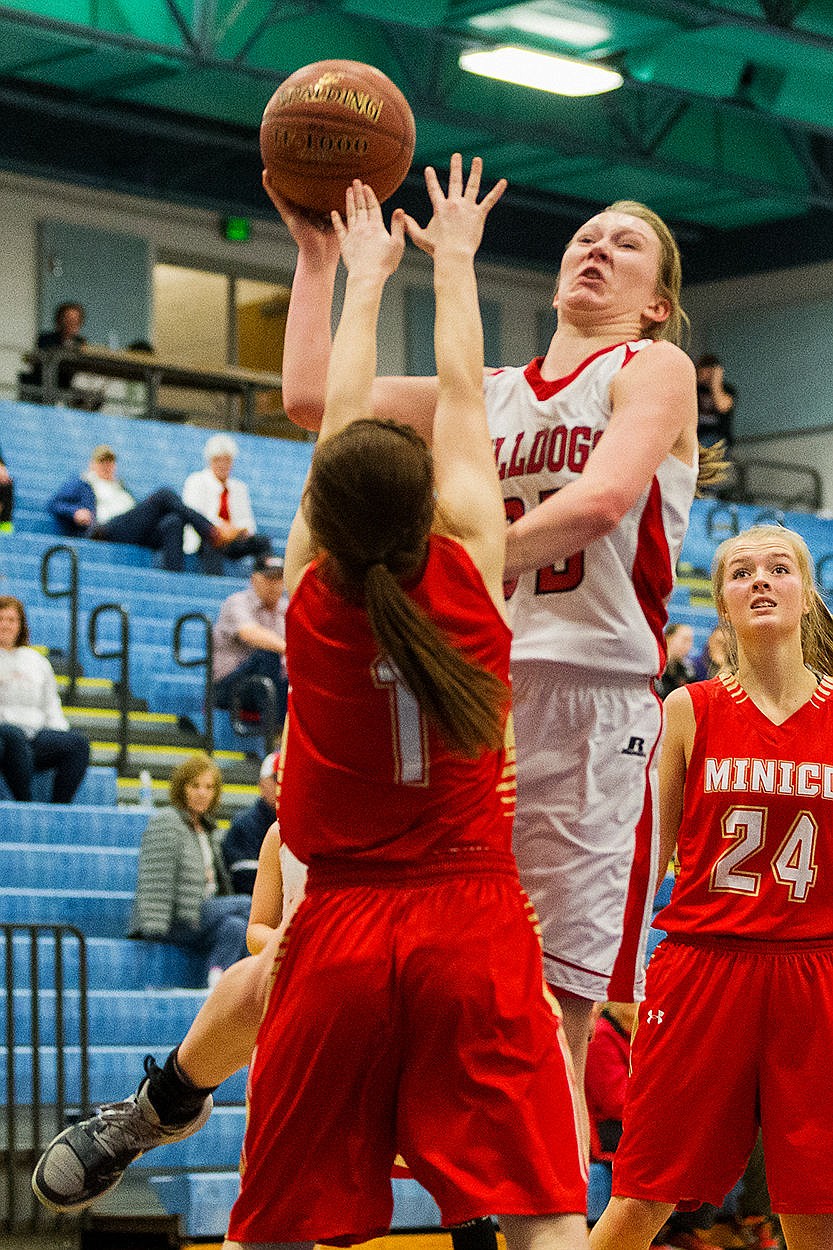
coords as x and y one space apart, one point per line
250 641
225 501
68 322
244 839
714 656
679 670
715 403
183 893
6 497
98 505
35 733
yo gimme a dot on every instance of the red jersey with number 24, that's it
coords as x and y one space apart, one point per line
364 774
756 839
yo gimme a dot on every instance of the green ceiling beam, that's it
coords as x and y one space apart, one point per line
425 13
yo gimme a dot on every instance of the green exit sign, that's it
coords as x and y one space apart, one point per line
237 229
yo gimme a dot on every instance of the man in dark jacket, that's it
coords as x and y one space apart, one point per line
244 839
97 505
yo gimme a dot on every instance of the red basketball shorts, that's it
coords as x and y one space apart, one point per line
407 1017
728 1039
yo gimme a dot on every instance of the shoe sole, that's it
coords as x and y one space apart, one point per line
68 1207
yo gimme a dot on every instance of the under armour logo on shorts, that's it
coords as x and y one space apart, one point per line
654 1015
636 746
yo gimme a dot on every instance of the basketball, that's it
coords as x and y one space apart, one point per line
331 122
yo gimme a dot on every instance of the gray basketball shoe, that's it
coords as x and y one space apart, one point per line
89 1158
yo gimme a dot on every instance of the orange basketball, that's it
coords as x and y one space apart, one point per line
331 122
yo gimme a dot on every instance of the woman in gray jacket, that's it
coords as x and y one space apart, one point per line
183 893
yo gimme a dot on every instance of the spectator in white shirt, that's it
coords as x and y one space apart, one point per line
97 505
225 501
35 733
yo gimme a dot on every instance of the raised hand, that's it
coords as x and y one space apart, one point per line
458 218
366 245
312 234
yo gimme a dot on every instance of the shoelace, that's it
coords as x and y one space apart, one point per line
109 1126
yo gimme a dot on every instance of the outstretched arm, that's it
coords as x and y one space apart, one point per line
469 501
371 256
308 339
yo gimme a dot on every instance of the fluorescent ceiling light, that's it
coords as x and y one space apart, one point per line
541 71
542 20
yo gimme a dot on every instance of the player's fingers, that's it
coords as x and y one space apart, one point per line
359 195
277 199
455 175
475 173
338 225
491 198
432 182
416 234
350 202
397 226
370 200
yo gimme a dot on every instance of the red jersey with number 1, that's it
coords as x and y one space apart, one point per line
364 775
756 839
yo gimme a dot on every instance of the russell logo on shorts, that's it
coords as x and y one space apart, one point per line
636 746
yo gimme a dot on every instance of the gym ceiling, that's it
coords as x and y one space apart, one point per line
724 123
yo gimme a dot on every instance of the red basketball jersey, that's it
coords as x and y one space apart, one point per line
364 775
756 839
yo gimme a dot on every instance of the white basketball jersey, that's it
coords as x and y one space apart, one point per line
604 608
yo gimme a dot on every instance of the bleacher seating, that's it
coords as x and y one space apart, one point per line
77 864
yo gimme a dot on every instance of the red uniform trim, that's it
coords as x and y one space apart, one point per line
545 389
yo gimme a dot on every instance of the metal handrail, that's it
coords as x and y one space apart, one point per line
206 660
810 497
70 592
122 653
21 1153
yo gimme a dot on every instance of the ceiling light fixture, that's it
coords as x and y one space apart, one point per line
541 71
545 21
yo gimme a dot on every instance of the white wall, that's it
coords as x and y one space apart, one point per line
778 370
192 237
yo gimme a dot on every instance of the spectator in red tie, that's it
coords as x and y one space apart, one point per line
225 501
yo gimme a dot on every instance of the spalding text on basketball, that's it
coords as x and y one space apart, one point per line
328 92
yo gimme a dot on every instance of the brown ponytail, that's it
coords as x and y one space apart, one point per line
369 504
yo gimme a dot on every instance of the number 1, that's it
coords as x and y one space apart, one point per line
408 726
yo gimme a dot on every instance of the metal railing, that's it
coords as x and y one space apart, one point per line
267 698
121 653
788 486
65 592
204 661
36 957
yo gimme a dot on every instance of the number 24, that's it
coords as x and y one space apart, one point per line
792 865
